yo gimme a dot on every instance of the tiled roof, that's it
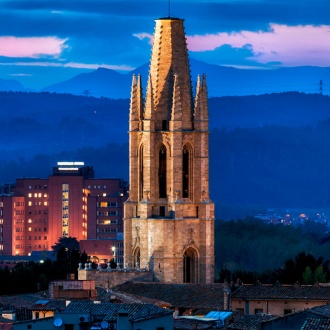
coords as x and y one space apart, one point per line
251 322
178 295
185 324
21 300
49 305
4 320
108 311
316 324
323 310
289 292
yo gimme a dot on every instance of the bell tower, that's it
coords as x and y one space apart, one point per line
169 217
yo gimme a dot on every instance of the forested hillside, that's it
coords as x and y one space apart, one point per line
265 151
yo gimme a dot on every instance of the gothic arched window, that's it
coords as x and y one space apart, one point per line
162 172
185 172
141 173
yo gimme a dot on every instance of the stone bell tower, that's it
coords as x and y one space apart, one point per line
169 217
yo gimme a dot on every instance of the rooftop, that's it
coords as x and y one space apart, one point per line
251 322
108 311
278 291
206 296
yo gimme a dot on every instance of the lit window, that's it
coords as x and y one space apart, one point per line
30 203
104 187
30 195
30 221
45 195
45 203
35 195
39 195
29 229
104 194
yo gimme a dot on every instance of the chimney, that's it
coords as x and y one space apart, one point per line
226 299
122 320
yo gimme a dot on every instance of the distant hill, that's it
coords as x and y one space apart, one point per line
222 81
10 85
267 150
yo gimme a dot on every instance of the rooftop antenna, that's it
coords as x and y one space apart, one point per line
169 8
321 87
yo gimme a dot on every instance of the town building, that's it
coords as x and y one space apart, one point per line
278 299
102 315
36 212
169 217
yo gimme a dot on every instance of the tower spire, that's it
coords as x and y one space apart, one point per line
201 108
169 218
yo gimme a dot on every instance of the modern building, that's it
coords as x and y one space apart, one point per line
36 212
169 217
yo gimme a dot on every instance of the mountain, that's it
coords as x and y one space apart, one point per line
221 80
99 83
10 85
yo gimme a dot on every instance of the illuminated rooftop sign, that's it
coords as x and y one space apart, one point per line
70 163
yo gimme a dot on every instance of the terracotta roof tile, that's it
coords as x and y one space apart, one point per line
49 305
251 322
265 291
21 300
178 295
323 310
316 324
108 311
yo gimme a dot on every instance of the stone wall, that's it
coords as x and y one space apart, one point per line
108 279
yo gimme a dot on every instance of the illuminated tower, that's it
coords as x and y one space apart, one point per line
169 217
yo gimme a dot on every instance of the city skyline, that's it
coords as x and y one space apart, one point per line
47 42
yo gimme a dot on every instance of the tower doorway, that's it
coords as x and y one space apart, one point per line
190 266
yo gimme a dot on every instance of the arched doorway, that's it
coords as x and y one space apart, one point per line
190 266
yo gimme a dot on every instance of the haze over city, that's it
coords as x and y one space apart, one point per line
45 42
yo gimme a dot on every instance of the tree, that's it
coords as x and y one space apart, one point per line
67 254
68 243
320 275
308 276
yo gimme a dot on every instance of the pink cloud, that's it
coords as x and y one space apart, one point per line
290 45
32 47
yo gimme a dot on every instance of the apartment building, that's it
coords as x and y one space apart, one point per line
36 212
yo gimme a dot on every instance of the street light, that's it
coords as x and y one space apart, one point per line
114 253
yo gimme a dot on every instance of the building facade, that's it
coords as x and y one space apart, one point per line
169 217
36 212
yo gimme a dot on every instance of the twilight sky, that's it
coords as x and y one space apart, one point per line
48 41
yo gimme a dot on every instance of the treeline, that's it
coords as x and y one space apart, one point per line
265 151
271 166
252 250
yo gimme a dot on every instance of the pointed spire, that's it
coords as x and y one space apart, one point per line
169 56
139 98
149 108
176 114
201 116
136 104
